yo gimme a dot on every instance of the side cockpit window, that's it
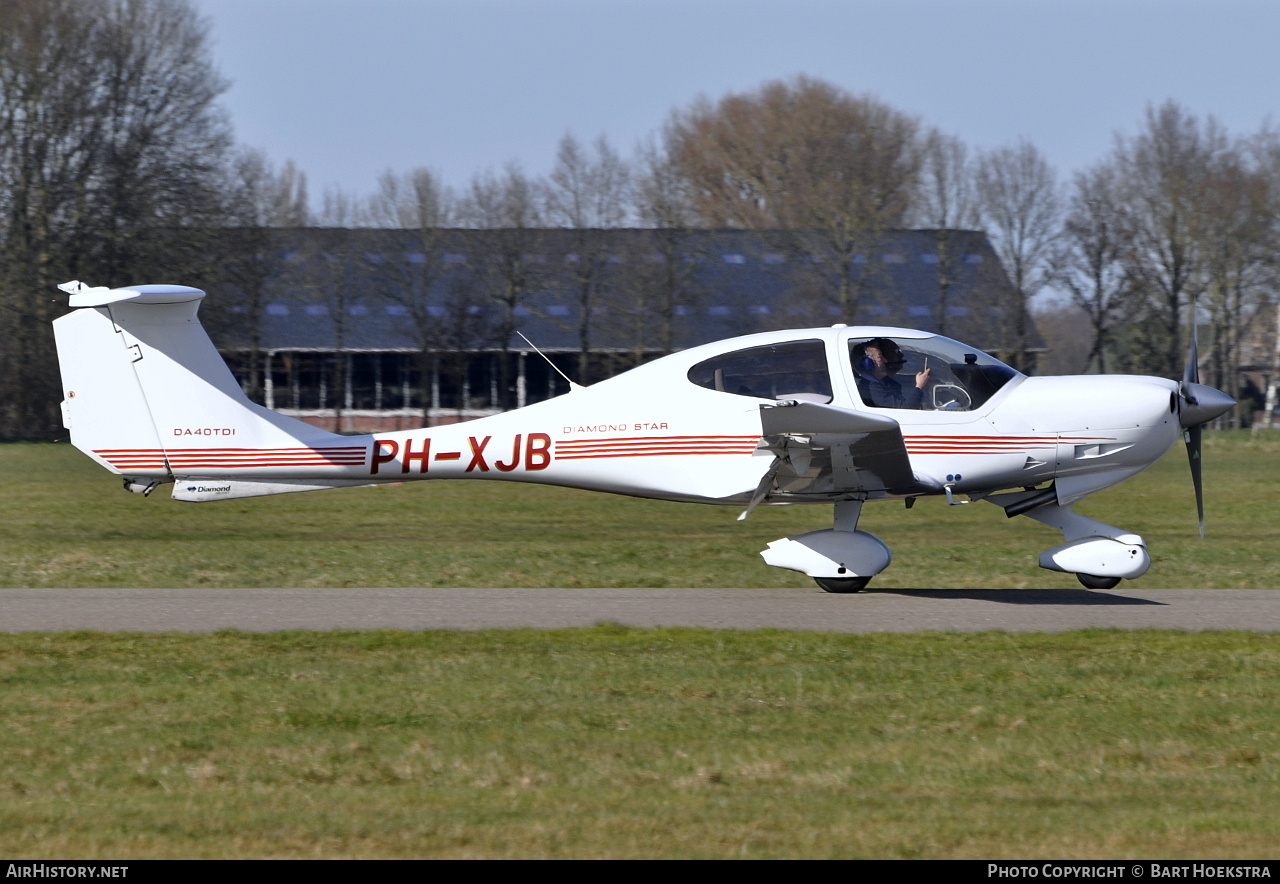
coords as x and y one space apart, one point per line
794 370
883 377
934 374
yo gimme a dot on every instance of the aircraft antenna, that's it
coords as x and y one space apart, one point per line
573 385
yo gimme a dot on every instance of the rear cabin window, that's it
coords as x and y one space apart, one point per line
794 370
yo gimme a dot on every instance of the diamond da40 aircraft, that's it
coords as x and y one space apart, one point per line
838 416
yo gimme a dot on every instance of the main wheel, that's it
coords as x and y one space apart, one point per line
1091 582
843 584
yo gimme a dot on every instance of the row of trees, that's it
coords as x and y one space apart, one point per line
1179 217
117 165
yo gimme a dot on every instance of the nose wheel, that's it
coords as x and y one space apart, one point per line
843 584
1090 582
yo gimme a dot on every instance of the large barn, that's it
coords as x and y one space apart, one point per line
359 330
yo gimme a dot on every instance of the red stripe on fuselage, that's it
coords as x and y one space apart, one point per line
653 446
227 458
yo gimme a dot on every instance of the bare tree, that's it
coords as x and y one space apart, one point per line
803 156
287 192
163 139
1235 244
1089 263
1266 149
1163 169
331 269
1067 334
662 277
417 200
1021 207
947 200
264 208
111 156
341 208
587 194
414 213
48 155
462 326
507 207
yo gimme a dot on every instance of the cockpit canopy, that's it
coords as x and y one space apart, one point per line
960 378
888 371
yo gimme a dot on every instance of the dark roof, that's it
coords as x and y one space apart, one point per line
731 282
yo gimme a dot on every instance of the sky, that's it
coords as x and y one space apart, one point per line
350 88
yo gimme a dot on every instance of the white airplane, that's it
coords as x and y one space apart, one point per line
840 415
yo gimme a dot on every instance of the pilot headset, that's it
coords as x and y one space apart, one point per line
862 361
891 351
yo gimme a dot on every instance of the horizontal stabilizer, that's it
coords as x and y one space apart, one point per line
83 295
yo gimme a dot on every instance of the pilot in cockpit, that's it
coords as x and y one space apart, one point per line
876 364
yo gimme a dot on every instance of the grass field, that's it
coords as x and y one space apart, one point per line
615 742
66 522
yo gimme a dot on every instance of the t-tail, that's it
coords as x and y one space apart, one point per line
148 396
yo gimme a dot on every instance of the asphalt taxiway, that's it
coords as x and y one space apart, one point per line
885 610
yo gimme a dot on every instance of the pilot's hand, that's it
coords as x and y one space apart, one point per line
922 378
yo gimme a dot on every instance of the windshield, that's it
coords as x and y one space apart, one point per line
934 374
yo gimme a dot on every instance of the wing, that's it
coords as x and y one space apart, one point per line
828 451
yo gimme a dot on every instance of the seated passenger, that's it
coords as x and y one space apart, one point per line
876 362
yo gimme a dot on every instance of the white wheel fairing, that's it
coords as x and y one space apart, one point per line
1099 557
830 553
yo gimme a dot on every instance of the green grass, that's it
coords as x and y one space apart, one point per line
615 742
66 522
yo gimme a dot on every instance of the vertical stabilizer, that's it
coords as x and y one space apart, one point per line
148 395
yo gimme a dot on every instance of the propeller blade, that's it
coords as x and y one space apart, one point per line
1198 405
1190 386
1191 375
1192 438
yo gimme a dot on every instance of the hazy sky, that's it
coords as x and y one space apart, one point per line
349 88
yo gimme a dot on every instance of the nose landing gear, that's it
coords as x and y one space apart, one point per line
1100 555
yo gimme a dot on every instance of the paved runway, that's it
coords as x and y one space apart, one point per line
888 610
